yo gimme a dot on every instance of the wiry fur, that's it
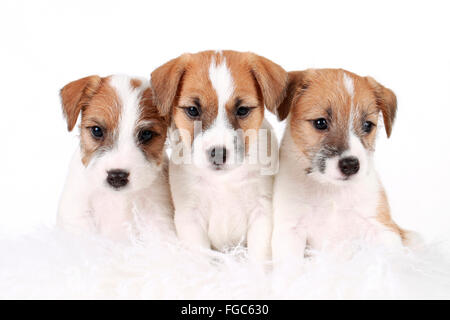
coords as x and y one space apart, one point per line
315 204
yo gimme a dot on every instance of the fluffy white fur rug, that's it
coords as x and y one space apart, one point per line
52 264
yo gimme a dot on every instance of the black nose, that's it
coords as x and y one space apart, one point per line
349 165
117 178
217 155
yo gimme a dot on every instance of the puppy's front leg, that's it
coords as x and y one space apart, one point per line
287 242
289 232
259 234
190 230
289 238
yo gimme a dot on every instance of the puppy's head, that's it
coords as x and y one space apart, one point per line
122 134
216 102
333 121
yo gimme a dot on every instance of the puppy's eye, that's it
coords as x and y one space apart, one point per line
320 124
368 126
192 112
97 132
243 112
145 136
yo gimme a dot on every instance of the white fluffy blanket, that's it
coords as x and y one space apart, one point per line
52 264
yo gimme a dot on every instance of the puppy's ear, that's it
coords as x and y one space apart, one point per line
76 95
387 103
165 81
297 83
272 80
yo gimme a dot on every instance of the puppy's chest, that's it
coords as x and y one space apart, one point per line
114 213
330 220
228 210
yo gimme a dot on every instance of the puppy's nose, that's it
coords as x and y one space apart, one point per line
217 155
349 165
117 178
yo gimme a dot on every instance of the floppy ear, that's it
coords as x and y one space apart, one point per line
75 95
271 78
165 81
297 83
387 103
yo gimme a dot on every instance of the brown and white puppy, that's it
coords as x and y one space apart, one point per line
221 177
117 179
327 190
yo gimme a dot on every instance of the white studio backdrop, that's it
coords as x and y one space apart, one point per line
46 44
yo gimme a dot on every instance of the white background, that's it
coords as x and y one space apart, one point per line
46 44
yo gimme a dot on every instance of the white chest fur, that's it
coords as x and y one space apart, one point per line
333 215
224 206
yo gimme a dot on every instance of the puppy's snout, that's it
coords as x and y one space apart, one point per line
117 178
349 165
217 155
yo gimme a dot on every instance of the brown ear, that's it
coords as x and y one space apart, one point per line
387 103
296 84
271 78
75 95
165 81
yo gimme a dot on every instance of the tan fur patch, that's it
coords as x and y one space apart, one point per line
195 89
135 83
76 95
387 103
150 119
103 110
247 92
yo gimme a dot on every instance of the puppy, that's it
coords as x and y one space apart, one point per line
117 181
327 190
220 183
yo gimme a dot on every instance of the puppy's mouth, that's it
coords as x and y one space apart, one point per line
117 188
219 168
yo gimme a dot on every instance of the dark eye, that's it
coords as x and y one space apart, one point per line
145 136
97 132
192 112
368 126
242 112
320 124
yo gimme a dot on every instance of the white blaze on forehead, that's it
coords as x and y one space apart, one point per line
222 82
350 88
220 133
349 85
130 112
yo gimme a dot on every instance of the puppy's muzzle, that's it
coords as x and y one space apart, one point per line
349 166
117 178
217 155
